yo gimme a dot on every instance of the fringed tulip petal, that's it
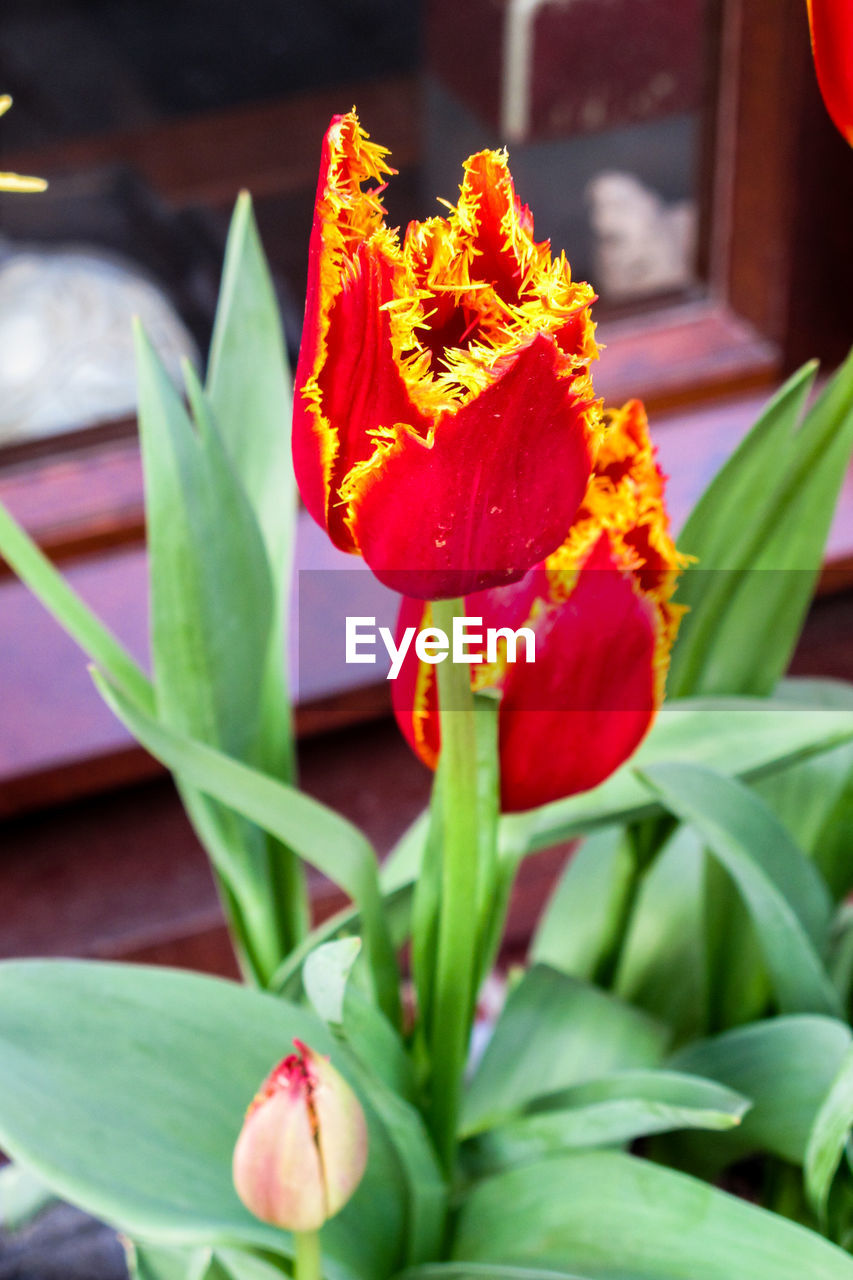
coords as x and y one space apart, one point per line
358 384
445 517
445 419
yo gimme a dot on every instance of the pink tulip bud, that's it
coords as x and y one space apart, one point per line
303 1147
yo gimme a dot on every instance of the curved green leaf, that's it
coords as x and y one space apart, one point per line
211 629
211 587
71 612
828 1137
426 1189
613 1217
22 1196
249 393
248 383
608 1112
786 1066
814 799
325 975
124 1088
580 923
739 737
664 963
725 516
758 535
786 899
150 1262
555 1032
319 835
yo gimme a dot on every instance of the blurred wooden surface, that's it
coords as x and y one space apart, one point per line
123 876
269 147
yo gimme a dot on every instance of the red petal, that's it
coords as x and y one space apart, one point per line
360 386
575 714
494 494
310 438
832 45
571 718
347 382
489 194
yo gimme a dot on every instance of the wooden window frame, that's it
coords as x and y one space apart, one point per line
779 285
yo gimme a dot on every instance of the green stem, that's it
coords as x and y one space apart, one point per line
307 1262
456 953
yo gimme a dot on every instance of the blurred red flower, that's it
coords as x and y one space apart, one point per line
831 23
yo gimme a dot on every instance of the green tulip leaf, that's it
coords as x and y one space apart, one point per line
814 799
248 385
71 611
152 1262
211 587
426 1189
787 901
828 1137
319 835
325 975
124 1089
758 535
608 1112
23 1196
555 1032
236 1264
610 1216
149 1262
786 1066
664 962
746 738
580 924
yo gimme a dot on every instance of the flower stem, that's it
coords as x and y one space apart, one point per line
456 949
307 1266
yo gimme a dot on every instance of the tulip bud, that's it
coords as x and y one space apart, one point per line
303 1147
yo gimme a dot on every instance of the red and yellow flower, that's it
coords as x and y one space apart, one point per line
445 423
601 611
831 24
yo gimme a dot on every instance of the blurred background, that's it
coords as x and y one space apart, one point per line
676 149
147 114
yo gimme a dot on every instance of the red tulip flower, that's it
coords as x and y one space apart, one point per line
601 613
831 23
444 419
